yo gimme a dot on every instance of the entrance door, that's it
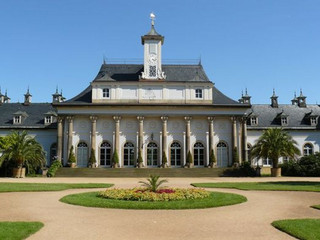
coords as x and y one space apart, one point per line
198 153
82 154
152 155
175 154
105 154
128 156
222 154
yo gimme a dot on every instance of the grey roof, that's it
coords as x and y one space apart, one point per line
36 113
298 117
132 72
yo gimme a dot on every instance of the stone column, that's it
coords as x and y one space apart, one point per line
60 139
117 133
164 136
140 137
188 147
245 137
234 136
93 131
70 133
211 133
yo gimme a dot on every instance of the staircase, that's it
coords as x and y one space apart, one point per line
139 172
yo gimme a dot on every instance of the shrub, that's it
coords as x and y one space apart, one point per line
189 158
212 158
92 159
72 157
115 158
308 166
244 170
164 159
54 168
153 183
235 155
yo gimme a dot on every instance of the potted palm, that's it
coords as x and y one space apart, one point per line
272 144
72 158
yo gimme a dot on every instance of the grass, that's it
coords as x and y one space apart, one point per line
267 186
18 230
316 207
305 229
92 199
42 187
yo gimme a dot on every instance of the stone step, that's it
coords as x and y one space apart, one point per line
139 172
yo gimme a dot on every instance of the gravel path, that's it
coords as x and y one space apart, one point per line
249 220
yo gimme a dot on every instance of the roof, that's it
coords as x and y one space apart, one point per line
36 113
132 73
298 117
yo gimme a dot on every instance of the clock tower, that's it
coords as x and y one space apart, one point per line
152 42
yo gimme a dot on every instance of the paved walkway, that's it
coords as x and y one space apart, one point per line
249 220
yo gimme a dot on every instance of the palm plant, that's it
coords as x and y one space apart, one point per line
274 143
153 183
22 149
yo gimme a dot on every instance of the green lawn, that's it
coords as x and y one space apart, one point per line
92 199
18 230
316 207
306 229
268 186
39 187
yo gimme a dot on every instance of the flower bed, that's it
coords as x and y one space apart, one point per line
142 194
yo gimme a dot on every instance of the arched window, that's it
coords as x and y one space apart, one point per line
198 154
222 154
175 154
128 156
105 154
82 154
53 152
152 154
307 149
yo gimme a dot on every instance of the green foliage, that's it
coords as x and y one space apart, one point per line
139 160
274 143
212 158
92 159
115 157
54 168
164 159
72 157
307 166
244 170
18 230
22 149
300 228
92 199
235 155
153 183
189 158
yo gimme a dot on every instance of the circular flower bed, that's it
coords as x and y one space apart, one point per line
142 194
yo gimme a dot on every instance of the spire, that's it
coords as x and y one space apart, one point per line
294 101
152 17
27 98
6 98
274 99
246 98
302 100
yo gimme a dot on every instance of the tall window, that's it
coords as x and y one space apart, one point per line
198 93
152 71
105 154
267 162
307 149
128 156
175 154
198 154
222 154
106 93
53 152
152 154
82 154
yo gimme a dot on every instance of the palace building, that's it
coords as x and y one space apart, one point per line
156 109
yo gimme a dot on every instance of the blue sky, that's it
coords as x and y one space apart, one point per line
254 44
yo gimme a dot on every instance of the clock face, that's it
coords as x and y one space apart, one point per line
152 58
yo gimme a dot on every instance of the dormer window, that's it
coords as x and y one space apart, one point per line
284 121
199 93
17 120
254 121
48 120
106 93
313 121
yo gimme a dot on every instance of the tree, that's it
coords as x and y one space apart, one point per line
115 159
274 143
22 149
153 183
72 157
